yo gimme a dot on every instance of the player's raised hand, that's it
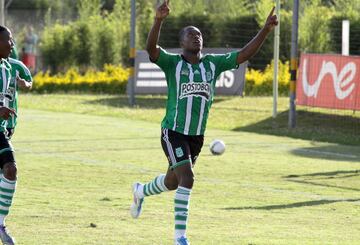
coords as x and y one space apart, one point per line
6 112
163 10
271 20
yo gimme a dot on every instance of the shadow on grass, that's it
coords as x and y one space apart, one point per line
329 175
144 102
313 178
315 126
330 152
293 205
308 182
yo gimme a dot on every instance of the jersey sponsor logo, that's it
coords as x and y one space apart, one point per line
202 89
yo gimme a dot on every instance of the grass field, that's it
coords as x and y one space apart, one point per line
78 156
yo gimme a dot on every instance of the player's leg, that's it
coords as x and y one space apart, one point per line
161 183
7 185
185 176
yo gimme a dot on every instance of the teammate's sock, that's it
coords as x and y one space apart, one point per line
7 190
182 198
154 187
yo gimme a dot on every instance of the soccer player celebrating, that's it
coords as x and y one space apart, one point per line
7 159
191 79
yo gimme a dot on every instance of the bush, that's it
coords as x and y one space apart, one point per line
112 80
260 83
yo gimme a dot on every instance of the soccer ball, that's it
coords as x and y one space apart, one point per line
217 147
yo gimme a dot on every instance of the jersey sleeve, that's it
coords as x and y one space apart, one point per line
24 73
226 61
166 60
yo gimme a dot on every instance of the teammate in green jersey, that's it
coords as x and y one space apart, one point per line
7 159
20 77
191 79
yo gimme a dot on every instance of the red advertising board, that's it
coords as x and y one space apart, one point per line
329 81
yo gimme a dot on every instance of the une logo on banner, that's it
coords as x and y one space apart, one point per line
340 80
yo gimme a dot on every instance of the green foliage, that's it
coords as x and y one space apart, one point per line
93 40
99 37
56 40
314 29
172 26
320 25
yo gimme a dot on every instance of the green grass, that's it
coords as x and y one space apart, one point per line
78 155
249 114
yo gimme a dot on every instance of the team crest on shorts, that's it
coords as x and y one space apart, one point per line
179 152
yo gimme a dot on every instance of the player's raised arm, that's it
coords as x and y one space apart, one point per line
253 46
151 44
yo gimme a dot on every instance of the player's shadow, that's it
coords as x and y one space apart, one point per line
316 126
330 152
309 179
340 174
122 101
141 101
293 205
313 179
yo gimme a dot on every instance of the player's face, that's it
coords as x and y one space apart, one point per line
6 44
192 40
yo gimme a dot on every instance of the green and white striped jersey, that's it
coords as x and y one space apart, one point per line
5 95
17 69
191 89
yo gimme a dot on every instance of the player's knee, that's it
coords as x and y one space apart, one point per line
10 171
170 184
187 181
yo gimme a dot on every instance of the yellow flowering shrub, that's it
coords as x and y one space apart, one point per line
261 82
112 79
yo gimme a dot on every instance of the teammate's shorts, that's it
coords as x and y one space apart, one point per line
180 149
6 150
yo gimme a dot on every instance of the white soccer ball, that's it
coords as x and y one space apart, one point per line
217 147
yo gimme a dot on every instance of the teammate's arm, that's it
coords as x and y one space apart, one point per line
151 44
253 46
23 83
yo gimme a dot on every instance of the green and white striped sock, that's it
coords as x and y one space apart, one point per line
154 187
182 198
7 190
